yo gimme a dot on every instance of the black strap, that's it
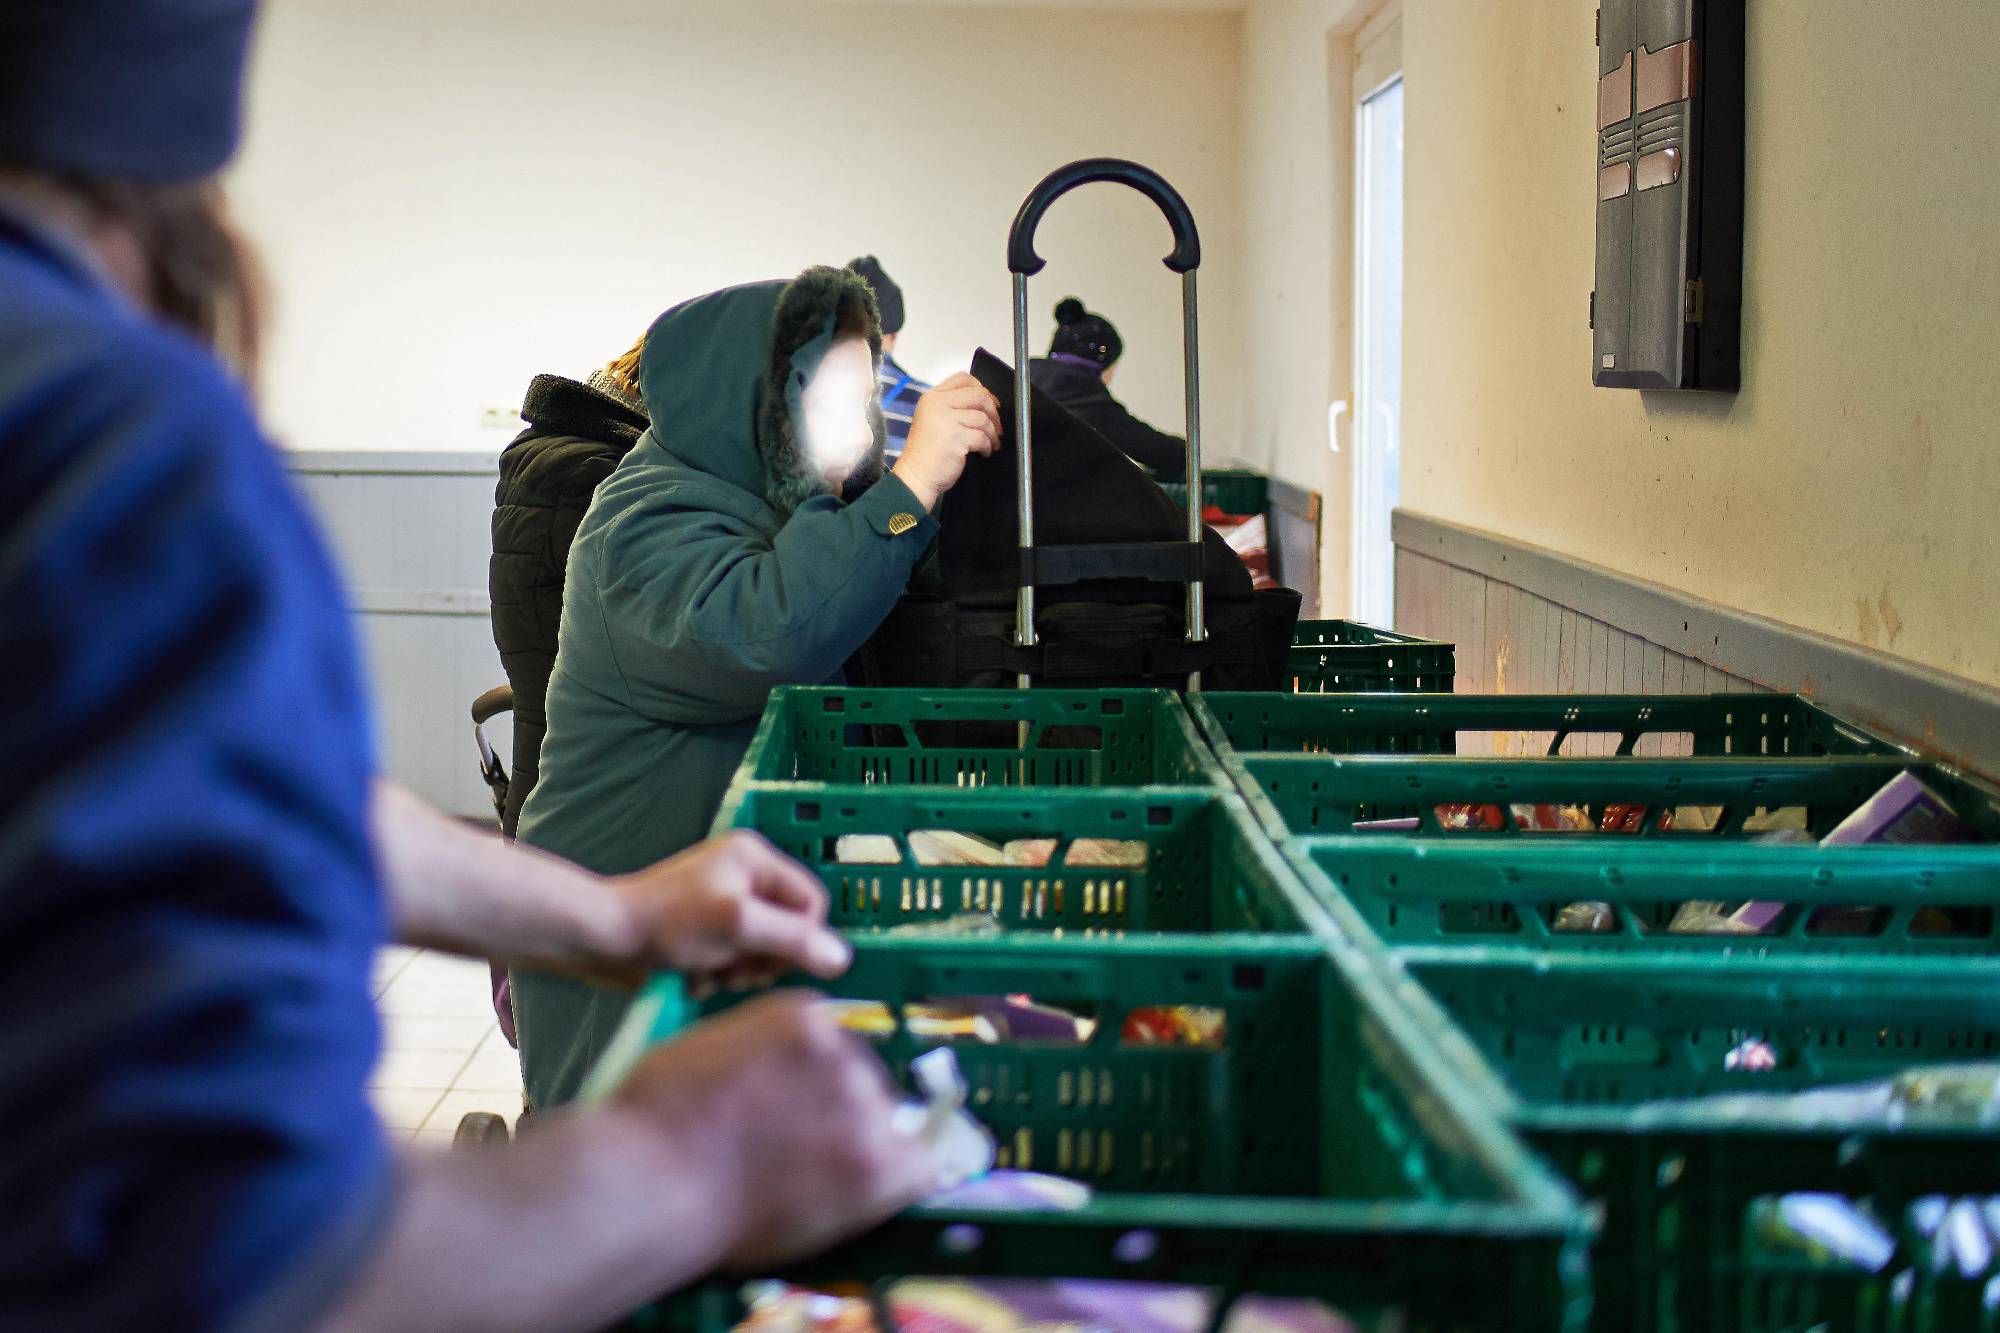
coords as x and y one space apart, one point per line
1157 562
1059 660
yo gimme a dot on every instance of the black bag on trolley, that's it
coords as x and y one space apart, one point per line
1111 561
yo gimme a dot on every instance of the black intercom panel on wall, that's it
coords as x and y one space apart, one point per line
1666 312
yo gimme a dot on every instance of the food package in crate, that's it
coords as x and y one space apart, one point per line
1249 536
1191 1026
1904 811
1032 1305
989 1020
1592 918
1958 1236
1464 818
947 847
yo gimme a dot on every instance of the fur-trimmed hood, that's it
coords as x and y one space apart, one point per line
722 377
558 406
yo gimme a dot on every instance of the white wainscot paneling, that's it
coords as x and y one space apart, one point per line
411 532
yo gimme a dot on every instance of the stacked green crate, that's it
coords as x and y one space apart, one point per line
1325 1150
1232 490
1630 1072
1428 886
1333 656
1346 657
1322 1147
979 738
1557 957
1273 746
1152 861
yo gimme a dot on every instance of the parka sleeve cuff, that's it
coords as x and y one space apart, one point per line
892 509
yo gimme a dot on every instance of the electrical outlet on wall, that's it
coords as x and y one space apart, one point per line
500 418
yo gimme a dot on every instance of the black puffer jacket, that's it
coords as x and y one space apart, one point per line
575 437
1087 398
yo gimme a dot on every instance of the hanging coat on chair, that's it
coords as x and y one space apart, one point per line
710 567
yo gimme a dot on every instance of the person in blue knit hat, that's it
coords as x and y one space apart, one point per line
198 858
900 390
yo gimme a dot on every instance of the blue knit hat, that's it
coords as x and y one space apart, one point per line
144 90
888 296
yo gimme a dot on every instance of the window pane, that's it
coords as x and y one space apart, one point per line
1378 350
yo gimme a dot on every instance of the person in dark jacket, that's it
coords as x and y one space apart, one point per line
901 391
576 434
1077 373
722 558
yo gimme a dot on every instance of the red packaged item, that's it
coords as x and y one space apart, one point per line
1623 819
1249 536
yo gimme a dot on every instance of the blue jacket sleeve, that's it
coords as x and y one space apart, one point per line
188 902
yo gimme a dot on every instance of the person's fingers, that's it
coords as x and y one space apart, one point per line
767 930
895 1166
778 879
749 973
990 407
969 397
956 380
748 978
912 1176
981 412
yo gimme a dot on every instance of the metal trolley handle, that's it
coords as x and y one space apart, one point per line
1023 263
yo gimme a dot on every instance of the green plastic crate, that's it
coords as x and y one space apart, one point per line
1599 1055
1527 725
1304 796
1508 887
979 738
1327 1150
1263 741
1470 891
1232 490
1346 657
1205 867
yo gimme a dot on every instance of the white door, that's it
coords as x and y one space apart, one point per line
1378 346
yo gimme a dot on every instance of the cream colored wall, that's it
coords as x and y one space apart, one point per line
1853 487
455 197
1297 190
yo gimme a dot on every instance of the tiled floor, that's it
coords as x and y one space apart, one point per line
442 1052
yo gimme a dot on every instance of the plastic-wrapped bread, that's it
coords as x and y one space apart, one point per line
1705 918
1586 919
929 847
867 849
1030 852
942 847
1106 853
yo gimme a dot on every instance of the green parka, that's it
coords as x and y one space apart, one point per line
711 566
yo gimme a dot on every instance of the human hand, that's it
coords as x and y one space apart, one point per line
957 419
730 913
788 1123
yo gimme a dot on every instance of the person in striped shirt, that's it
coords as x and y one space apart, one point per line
900 389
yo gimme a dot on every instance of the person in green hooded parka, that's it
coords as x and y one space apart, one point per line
748 540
